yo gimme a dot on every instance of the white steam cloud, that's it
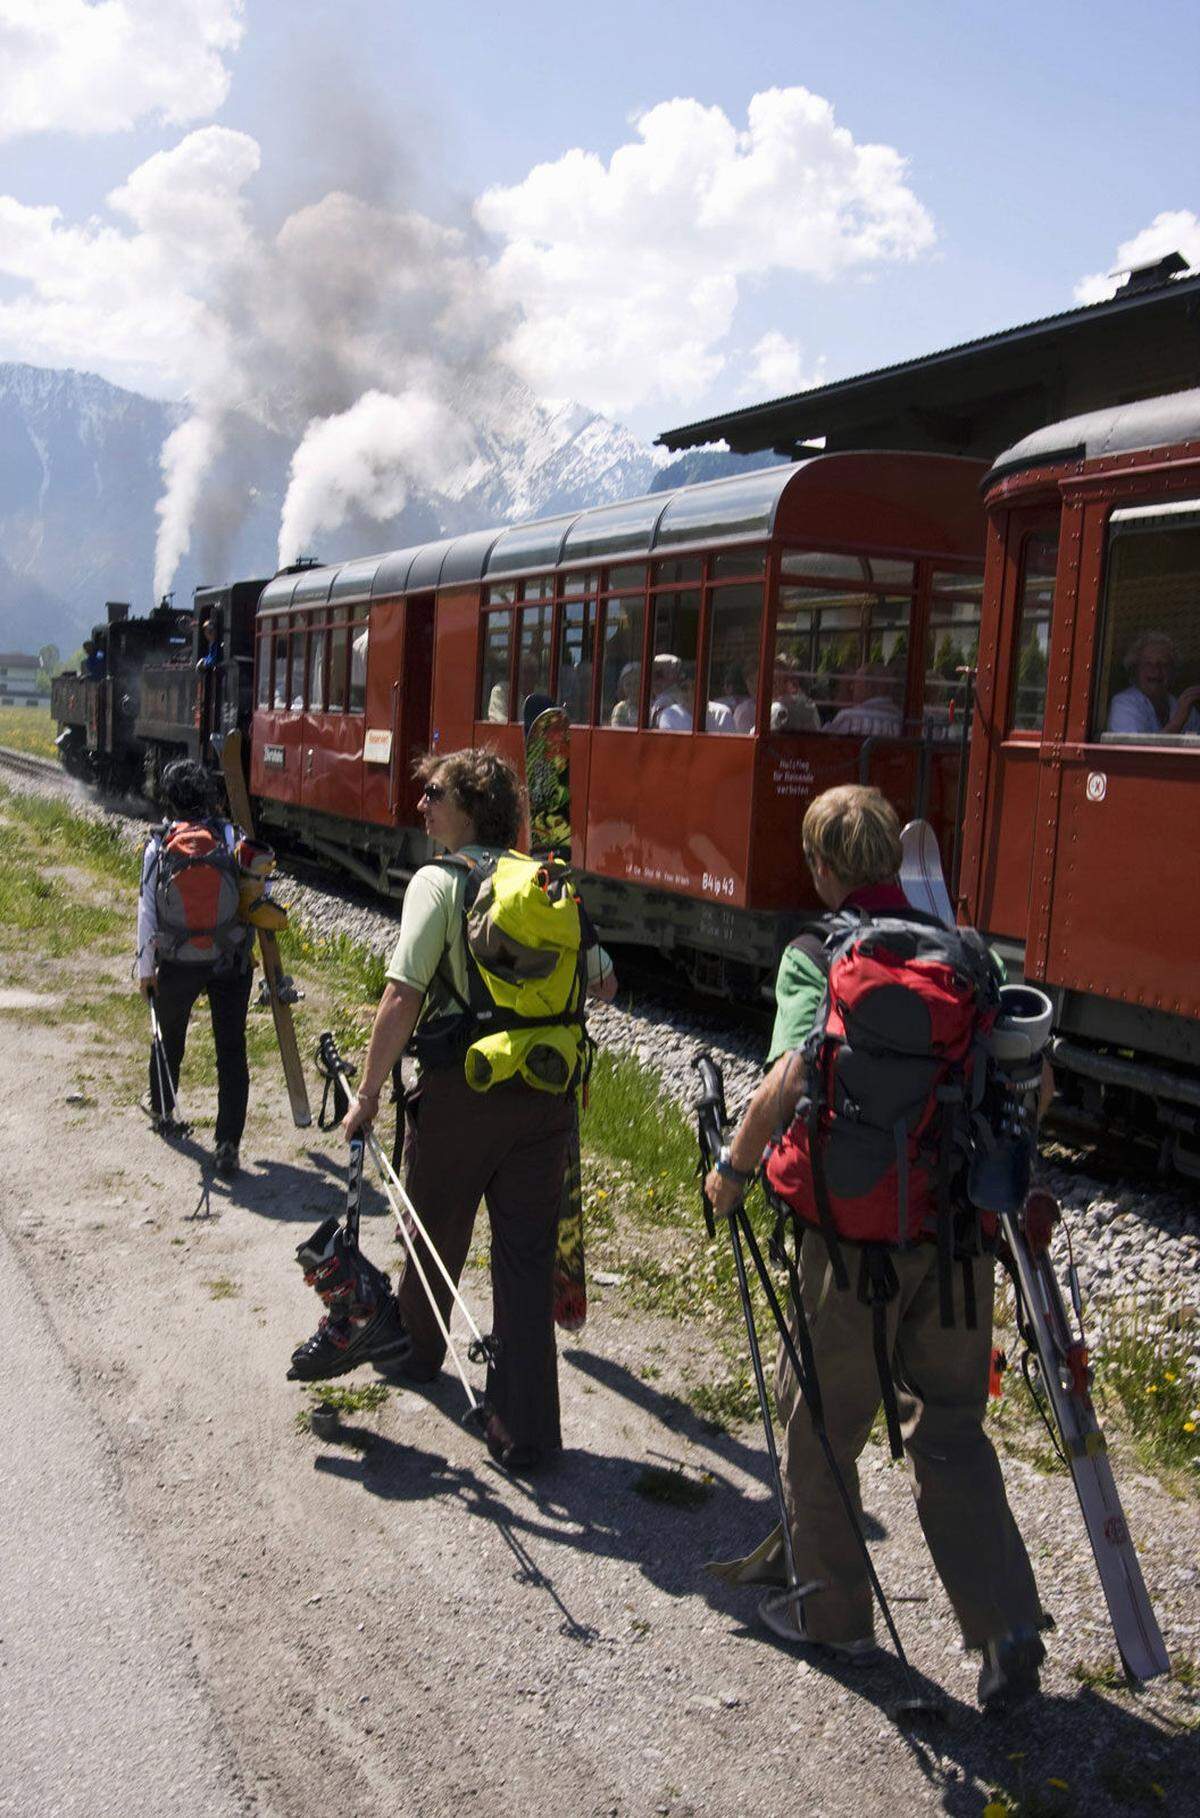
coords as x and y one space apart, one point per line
392 352
75 67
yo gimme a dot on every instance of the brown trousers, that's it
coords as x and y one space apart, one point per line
953 1469
507 1146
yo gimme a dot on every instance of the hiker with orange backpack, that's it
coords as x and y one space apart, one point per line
868 1114
191 939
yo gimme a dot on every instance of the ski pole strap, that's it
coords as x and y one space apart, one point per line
335 1072
877 1286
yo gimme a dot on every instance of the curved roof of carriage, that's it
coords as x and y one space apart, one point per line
1122 429
739 507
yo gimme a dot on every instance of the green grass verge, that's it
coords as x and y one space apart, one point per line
28 729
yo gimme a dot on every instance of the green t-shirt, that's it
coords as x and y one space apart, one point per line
799 988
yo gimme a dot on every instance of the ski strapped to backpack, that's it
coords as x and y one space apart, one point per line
197 892
526 938
897 1103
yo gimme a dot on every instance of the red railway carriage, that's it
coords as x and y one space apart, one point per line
724 653
1082 838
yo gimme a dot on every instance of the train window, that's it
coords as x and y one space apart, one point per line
502 594
263 697
815 565
1149 659
541 587
951 644
1039 558
735 626
316 671
841 659
497 648
533 656
621 672
582 582
339 653
360 634
281 657
296 666
673 573
732 562
576 639
629 578
676 628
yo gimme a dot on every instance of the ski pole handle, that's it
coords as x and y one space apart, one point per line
710 1120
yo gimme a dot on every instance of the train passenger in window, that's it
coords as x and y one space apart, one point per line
529 672
872 711
792 710
1148 706
629 684
739 690
671 699
575 687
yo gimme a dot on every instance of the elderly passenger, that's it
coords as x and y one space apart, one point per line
1149 706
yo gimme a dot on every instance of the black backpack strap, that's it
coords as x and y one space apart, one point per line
816 1157
877 1286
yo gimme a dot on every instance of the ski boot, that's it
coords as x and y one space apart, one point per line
363 1323
1011 1671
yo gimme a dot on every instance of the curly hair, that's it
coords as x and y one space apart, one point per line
482 784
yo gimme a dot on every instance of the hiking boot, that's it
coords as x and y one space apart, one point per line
1010 1673
339 1345
226 1160
783 1614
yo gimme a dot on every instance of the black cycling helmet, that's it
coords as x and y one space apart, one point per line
187 787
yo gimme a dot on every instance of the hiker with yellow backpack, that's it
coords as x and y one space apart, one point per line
488 982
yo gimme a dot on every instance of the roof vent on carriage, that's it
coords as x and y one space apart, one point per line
1148 277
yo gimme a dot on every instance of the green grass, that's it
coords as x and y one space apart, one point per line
673 1488
1144 1376
221 1288
28 729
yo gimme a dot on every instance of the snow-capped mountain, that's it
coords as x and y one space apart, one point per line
80 476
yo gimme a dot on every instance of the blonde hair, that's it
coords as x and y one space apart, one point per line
855 831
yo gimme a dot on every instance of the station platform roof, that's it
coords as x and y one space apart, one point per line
981 396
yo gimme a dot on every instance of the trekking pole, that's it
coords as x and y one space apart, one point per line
712 1121
481 1349
711 1118
173 1123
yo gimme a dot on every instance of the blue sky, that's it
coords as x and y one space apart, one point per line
305 209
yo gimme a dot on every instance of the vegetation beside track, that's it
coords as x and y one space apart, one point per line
28 729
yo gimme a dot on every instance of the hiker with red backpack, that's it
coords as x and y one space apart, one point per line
876 1098
192 940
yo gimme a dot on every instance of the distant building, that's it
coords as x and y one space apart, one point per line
22 681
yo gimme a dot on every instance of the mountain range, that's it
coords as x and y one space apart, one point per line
80 477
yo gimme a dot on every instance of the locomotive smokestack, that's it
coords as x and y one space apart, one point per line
116 611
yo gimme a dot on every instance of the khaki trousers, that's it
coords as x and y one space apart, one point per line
953 1470
507 1146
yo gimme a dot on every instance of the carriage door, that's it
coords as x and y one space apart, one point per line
332 734
1126 856
1002 799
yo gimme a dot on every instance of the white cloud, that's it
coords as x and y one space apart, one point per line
628 274
133 306
777 367
1175 230
72 66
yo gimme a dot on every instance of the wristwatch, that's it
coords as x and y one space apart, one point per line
725 1167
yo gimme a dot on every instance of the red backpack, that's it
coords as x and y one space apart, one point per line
196 893
897 1074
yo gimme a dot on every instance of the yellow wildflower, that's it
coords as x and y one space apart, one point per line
1189 1426
995 1808
1170 1375
1152 1389
1060 1784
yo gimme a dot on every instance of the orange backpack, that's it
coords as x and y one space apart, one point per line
196 893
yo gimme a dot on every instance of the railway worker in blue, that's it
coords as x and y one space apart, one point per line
851 841
506 1144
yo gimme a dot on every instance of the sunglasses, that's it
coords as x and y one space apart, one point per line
434 792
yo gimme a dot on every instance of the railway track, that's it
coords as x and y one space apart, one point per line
24 763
